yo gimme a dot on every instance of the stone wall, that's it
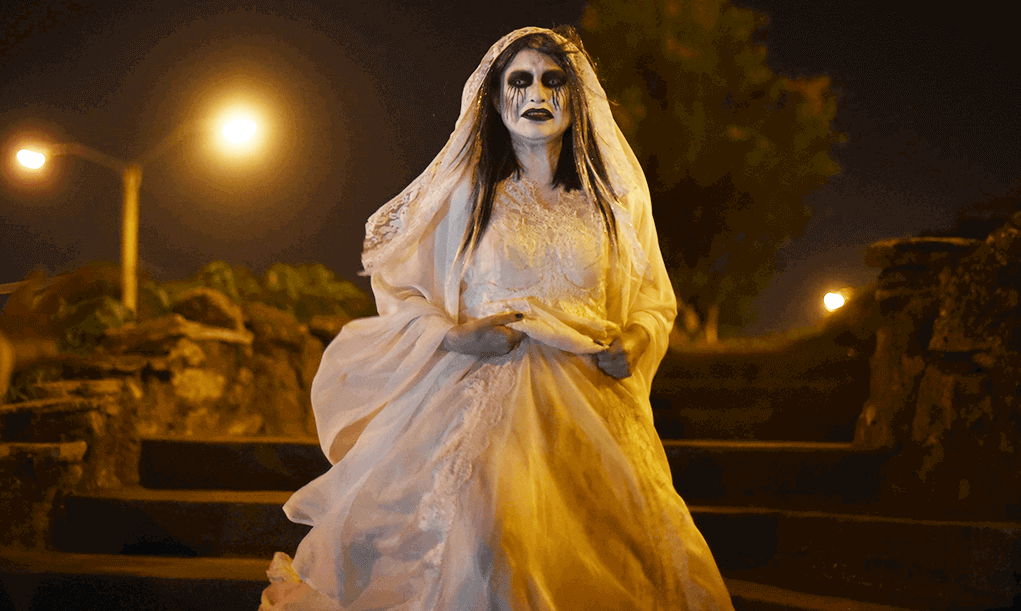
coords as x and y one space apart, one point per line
213 368
946 372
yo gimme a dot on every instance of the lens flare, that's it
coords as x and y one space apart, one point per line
31 159
833 301
239 131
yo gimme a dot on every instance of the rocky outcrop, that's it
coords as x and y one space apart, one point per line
84 379
210 307
946 373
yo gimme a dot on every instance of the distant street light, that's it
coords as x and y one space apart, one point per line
833 301
131 174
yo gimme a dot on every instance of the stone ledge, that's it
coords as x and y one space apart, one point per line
60 405
60 389
158 330
67 451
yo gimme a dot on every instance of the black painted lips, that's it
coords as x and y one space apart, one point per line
537 114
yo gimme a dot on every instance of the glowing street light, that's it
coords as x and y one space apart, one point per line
31 159
237 131
833 301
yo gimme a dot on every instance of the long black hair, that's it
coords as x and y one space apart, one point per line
492 143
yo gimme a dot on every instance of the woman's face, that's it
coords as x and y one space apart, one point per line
534 101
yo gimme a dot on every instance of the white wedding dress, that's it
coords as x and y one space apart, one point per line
527 482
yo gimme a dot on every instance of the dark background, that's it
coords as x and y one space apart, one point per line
354 99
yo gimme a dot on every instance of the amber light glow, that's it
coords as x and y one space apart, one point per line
31 159
239 130
833 301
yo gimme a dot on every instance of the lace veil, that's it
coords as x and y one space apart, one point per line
401 223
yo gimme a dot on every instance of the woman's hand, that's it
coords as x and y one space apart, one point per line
620 358
484 337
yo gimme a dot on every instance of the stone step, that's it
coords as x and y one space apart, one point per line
44 581
253 463
793 475
138 521
38 581
898 561
751 596
776 474
883 560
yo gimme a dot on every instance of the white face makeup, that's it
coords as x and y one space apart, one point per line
534 101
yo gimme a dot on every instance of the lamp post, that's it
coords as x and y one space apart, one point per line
131 176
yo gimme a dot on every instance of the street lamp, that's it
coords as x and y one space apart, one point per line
835 300
131 175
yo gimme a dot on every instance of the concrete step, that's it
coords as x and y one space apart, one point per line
38 581
254 463
44 581
137 521
775 474
896 561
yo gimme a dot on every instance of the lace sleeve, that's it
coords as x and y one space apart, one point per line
388 221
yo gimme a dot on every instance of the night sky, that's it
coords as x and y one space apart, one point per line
354 99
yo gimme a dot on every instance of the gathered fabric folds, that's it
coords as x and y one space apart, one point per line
524 482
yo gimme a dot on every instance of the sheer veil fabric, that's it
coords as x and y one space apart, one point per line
527 482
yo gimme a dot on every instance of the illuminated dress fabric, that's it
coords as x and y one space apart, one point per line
530 481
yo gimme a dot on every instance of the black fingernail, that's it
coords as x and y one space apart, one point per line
519 316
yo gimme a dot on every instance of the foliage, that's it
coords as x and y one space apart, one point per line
730 148
85 322
304 290
979 219
79 308
308 290
24 384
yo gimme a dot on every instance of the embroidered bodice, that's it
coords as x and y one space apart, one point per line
551 250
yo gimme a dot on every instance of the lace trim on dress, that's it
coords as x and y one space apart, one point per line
552 249
486 389
388 221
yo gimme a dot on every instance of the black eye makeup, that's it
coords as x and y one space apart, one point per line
554 79
519 79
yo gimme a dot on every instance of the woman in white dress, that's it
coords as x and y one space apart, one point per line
490 431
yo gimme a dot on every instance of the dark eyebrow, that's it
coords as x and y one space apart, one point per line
519 74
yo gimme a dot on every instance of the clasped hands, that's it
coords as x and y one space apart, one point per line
490 336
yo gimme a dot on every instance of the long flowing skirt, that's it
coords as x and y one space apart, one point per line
528 482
